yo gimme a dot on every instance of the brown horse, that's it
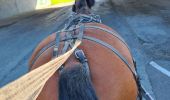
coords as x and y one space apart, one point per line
111 72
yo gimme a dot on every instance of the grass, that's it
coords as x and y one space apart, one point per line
55 2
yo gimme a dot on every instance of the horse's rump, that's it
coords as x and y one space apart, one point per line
110 75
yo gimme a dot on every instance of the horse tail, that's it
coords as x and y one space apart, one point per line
75 84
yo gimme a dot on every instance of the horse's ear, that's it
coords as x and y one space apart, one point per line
74 8
90 3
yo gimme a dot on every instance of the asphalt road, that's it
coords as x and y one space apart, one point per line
144 24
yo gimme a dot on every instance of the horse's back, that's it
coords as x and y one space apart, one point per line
110 75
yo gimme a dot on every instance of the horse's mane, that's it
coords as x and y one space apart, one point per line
75 84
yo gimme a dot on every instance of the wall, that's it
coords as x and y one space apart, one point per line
9 8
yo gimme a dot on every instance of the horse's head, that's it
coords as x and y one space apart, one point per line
83 6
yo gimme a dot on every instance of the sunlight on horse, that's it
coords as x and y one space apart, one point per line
109 73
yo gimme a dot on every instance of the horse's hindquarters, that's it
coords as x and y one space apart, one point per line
110 75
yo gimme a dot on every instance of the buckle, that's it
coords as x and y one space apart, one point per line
79 53
80 56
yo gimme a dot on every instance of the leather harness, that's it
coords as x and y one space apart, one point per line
76 22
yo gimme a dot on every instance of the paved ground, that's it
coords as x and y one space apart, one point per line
20 36
144 25
149 22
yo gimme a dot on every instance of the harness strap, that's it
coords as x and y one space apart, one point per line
107 31
145 94
81 32
66 45
92 18
109 47
114 50
83 60
102 29
70 43
76 19
57 40
110 32
42 51
115 35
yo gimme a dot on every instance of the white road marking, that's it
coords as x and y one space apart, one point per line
161 69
